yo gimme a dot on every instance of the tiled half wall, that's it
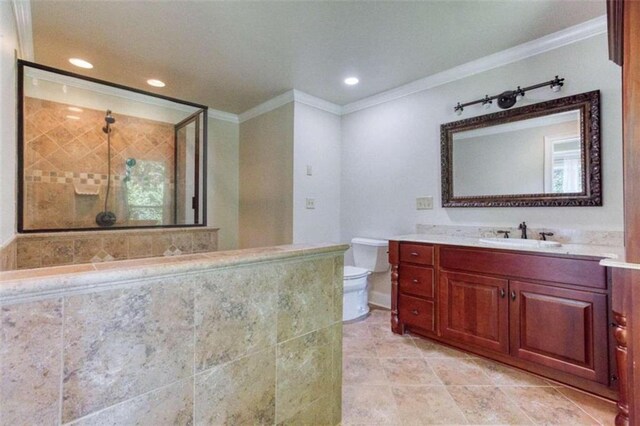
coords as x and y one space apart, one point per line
258 342
28 251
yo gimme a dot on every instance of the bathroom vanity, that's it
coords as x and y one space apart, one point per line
545 310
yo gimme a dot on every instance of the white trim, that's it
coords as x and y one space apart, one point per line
22 13
310 100
223 116
287 97
379 298
267 106
549 42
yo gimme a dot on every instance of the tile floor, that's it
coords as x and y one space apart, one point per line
404 380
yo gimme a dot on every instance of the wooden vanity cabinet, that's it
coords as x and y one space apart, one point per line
540 312
474 309
560 328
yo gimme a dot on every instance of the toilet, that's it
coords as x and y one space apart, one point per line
369 255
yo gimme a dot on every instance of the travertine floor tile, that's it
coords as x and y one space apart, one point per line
503 375
359 348
361 371
409 380
368 405
427 405
409 371
397 347
602 410
544 406
431 349
358 330
459 371
487 405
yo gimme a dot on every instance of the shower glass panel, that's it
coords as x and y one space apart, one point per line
96 155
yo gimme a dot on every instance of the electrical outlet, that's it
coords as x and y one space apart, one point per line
311 203
424 203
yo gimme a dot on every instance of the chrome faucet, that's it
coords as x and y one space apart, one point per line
523 228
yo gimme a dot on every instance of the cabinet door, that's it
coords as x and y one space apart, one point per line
560 328
474 309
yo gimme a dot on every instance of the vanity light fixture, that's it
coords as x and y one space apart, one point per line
75 109
351 81
509 98
155 83
486 104
81 63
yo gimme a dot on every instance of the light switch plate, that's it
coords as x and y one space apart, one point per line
311 203
424 203
309 170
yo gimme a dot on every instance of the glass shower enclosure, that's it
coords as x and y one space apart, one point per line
97 155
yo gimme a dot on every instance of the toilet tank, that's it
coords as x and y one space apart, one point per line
370 254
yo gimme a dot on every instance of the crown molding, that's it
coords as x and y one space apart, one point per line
310 100
287 97
267 106
223 116
549 42
22 14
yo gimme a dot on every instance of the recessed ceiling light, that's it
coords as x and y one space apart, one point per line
81 63
155 83
73 117
350 81
75 109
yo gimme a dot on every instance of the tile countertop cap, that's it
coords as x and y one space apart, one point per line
587 250
38 283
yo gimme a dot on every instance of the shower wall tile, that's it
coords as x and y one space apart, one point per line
170 405
8 256
235 314
30 359
57 150
242 392
305 300
123 343
29 251
304 366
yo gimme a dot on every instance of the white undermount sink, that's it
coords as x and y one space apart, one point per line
517 242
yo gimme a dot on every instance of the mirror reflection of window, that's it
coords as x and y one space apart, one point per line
146 193
563 164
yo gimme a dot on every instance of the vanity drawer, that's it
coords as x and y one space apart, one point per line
416 280
561 270
416 253
416 312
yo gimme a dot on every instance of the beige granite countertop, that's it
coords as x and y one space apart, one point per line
43 282
619 263
588 250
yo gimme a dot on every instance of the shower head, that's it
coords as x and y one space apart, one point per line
108 118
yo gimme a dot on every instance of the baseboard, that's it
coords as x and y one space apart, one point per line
378 298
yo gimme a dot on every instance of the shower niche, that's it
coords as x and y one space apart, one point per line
97 155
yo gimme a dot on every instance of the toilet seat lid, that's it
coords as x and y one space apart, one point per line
353 272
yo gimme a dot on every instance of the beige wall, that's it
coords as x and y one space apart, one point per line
8 45
266 179
222 181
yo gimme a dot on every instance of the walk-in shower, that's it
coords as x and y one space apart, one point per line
139 164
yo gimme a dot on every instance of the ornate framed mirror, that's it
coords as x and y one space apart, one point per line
541 155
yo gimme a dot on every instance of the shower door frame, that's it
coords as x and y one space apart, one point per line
20 172
195 204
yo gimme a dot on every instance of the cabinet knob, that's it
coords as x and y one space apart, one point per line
502 293
416 281
413 253
513 295
415 312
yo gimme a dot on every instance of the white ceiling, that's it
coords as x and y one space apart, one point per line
235 55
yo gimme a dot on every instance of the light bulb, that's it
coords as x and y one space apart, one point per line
459 111
486 105
556 88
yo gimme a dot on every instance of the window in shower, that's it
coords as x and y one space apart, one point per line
94 155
